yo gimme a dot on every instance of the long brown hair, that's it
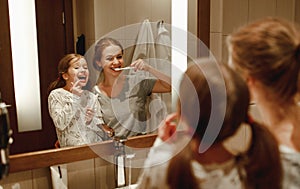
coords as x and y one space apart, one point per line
261 161
269 50
62 68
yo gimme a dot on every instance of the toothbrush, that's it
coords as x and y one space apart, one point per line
125 68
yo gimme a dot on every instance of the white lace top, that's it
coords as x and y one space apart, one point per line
215 176
291 166
68 114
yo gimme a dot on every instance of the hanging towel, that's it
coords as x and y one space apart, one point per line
59 176
163 42
145 49
144 46
163 58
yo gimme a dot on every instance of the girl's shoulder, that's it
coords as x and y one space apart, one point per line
225 175
59 92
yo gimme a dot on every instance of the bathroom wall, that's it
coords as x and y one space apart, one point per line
92 174
96 18
228 15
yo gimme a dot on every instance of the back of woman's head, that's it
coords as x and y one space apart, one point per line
269 50
62 68
100 46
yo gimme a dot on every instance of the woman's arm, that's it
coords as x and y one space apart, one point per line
163 83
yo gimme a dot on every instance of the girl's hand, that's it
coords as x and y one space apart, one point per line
76 88
89 115
140 64
167 127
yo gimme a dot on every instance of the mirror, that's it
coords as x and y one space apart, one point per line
45 138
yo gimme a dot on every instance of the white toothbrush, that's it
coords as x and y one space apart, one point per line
125 68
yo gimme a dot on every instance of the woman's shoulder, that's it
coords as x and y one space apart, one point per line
291 164
289 156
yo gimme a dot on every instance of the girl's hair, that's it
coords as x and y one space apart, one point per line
263 167
62 68
269 50
100 46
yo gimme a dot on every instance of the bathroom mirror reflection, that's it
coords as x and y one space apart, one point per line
59 26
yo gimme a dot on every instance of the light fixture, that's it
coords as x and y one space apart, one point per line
25 64
179 45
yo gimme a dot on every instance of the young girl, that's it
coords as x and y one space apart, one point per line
75 112
212 102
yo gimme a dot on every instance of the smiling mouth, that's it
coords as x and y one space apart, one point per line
116 68
82 78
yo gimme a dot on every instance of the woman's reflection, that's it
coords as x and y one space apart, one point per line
75 112
123 97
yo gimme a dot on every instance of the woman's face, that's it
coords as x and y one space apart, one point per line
78 71
112 57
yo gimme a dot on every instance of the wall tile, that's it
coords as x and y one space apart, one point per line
192 16
216 15
297 11
137 11
81 174
104 173
41 178
216 45
285 9
109 16
261 8
22 179
235 14
161 10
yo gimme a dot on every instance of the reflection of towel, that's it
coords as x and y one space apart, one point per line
163 42
59 176
163 57
145 47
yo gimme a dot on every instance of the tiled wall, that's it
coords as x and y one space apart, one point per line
92 174
227 15
96 18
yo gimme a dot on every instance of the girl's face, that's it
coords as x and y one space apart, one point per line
112 57
78 71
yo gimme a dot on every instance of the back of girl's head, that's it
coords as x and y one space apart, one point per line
62 68
231 103
218 86
100 46
269 50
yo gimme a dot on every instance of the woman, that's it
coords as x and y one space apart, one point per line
240 155
123 97
74 111
267 54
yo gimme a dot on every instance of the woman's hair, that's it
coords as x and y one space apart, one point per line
269 50
62 68
100 46
263 167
